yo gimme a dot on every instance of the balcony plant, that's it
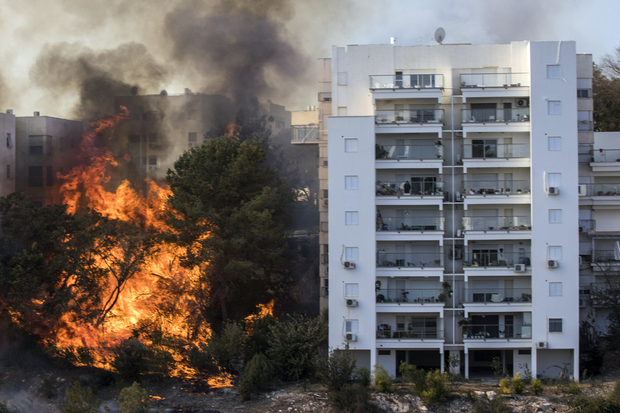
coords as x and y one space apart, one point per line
465 324
380 152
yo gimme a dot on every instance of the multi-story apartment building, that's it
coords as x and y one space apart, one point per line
7 152
453 204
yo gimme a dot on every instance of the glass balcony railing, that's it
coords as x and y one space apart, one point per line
411 223
490 331
406 81
495 115
585 125
508 187
495 258
305 133
492 150
406 188
606 155
410 295
415 333
403 152
409 116
410 260
605 256
497 223
498 295
610 189
587 225
495 80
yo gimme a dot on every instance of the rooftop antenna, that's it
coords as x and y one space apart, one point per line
440 34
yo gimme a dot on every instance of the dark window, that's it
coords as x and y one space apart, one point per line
35 176
36 150
326 193
192 137
525 352
555 325
9 142
583 93
8 171
399 79
152 160
134 138
152 137
385 352
279 124
49 175
484 148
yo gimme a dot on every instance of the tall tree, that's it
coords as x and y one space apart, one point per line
606 93
228 211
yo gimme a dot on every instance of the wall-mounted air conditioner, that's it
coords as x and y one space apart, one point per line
583 190
523 102
349 265
542 344
553 190
351 337
519 267
351 302
553 264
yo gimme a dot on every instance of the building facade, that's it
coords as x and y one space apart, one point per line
454 206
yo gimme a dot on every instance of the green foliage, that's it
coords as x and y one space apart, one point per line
294 345
383 379
517 383
80 400
200 358
590 347
257 337
77 355
598 404
573 388
615 395
437 391
497 368
606 94
537 386
258 374
362 376
411 374
227 348
352 399
134 399
527 373
504 385
47 389
336 371
132 359
497 405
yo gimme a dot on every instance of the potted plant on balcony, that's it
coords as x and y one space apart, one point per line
507 191
439 150
519 191
446 292
380 152
465 324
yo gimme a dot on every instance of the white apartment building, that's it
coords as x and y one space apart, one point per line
454 205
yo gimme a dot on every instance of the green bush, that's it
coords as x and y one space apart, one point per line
573 388
80 400
134 399
504 386
258 374
352 399
537 386
383 380
227 348
201 359
47 389
362 376
437 391
592 405
257 337
517 383
497 405
615 395
336 371
411 374
133 358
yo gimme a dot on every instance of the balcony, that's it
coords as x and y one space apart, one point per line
497 228
475 85
409 260
585 125
606 260
406 86
605 160
324 291
494 261
587 225
409 121
413 334
497 331
497 295
493 155
600 194
414 227
426 191
497 192
495 120
409 152
410 296
305 134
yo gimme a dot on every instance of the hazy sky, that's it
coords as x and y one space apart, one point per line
49 47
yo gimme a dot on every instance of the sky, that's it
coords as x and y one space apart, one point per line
55 53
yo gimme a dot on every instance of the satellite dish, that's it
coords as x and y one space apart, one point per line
440 34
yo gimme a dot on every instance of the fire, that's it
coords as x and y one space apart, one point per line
231 128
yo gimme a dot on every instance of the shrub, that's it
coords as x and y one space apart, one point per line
352 399
80 400
383 380
227 348
573 388
437 391
497 405
258 373
411 374
497 368
537 387
134 399
132 359
336 371
201 359
362 376
592 405
504 386
517 383
47 389
615 395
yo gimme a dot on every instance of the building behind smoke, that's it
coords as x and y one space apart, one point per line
7 152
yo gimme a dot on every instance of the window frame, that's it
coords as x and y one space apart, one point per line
353 187
553 292
349 218
556 322
554 212
355 253
556 139
351 140
554 107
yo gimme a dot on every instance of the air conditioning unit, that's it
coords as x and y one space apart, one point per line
583 190
326 202
349 265
523 102
351 302
553 190
542 344
519 267
583 229
553 264
351 337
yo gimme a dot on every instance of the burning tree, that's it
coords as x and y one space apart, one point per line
229 215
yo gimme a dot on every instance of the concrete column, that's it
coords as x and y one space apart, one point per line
455 354
466 363
534 362
442 364
373 358
576 365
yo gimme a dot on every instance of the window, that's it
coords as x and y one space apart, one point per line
152 137
553 72
555 252
351 290
351 218
49 176
35 176
555 289
326 193
554 143
555 216
351 254
36 150
325 226
9 141
351 182
584 93
384 352
350 145
555 325
152 160
342 78
8 172
351 326
192 114
279 124
523 352
554 107
554 179
192 137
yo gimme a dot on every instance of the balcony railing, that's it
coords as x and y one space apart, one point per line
498 295
415 333
410 224
508 187
397 188
494 151
495 258
305 133
496 331
509 223
605 256
406 81
495 115
610 189
585 125
403 152
409 116
409 260
495 80
410 295
325 96
587 225
606 155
